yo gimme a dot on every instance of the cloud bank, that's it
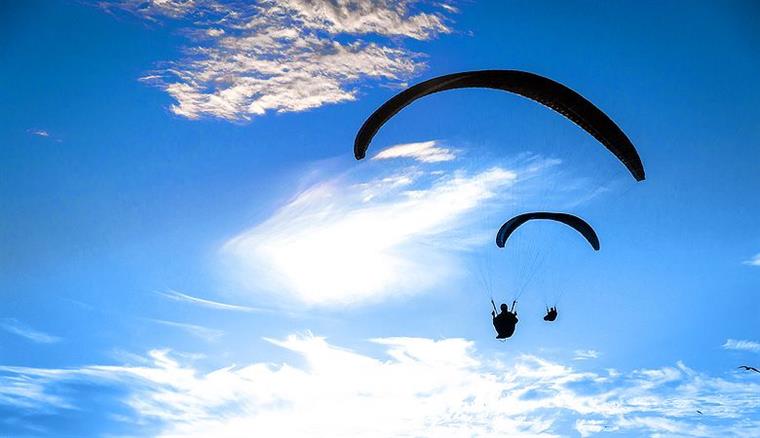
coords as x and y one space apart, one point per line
416 387
248 59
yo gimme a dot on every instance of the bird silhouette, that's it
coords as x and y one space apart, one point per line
748 368
700 412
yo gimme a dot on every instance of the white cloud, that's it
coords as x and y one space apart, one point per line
19 390
585 354
382 17
754 261
449 7
361 237
168 8
285 55
417 387
179 296
426 152
18 328
196 330
733 344
590 427
39 132
340 242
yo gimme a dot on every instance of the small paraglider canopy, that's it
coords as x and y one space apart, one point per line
532 86
570 220
526 261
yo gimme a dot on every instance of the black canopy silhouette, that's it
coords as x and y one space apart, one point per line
570 220
532 86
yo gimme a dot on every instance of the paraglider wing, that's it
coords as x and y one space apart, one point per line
538 88
575 222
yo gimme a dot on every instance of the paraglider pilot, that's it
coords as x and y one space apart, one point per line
551 314
505 321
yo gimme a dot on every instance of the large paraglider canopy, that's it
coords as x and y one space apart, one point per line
538 88
575 222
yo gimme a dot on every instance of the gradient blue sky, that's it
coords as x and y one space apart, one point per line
127 197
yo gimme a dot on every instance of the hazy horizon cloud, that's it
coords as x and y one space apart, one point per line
452 390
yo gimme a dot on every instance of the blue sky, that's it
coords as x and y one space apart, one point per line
190 249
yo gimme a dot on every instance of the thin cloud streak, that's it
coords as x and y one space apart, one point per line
39 132
16 327
205 333
585 354
425 152
178 296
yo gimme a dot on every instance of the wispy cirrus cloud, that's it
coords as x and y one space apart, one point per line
205 333
426 152
383 230
156 9
248 59
344 241
44 134
39 132
754 261
585 354
416 387
179 296
359 238
742 345
16 327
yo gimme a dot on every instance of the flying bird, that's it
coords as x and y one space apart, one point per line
700 412
748 368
